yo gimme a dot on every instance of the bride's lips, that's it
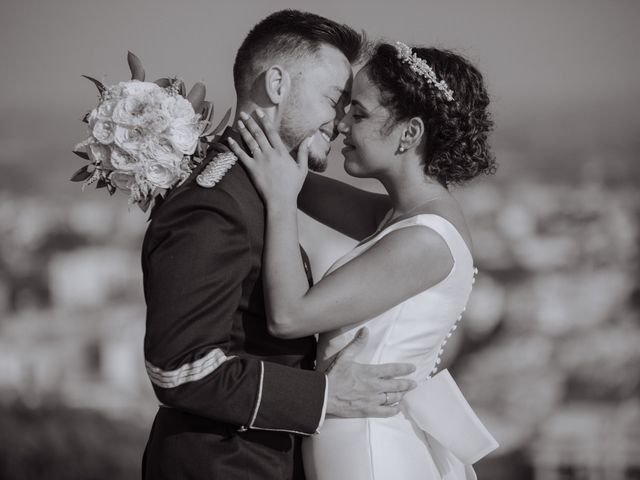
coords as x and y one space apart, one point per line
347 147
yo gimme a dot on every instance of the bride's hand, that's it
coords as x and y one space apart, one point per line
275 174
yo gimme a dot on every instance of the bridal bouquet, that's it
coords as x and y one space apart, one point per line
145 137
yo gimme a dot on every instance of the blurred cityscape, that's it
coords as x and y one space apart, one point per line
548 353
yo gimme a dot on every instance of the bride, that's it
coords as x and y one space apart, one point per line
418 122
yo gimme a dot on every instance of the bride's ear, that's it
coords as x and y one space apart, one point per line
276 84
412 133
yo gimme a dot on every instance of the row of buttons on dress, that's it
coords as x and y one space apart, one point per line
453 329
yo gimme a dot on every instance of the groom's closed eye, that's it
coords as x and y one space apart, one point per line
340 99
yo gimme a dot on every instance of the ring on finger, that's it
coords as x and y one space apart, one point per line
255 148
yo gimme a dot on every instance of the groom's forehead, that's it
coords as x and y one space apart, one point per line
331 64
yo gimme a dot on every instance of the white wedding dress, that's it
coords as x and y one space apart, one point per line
415 332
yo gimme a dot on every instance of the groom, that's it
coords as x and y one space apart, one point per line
235 400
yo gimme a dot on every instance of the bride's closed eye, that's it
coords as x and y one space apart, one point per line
356 113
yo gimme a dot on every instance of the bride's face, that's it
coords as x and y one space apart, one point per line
370 140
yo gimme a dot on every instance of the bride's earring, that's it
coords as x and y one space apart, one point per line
401 149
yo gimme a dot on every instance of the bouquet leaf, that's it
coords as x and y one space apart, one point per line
206 111
85 119
196 95
145 203
81 175
101 183
135 65
97 83
223 123
163 82
82 155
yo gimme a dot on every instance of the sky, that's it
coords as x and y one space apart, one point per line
553 67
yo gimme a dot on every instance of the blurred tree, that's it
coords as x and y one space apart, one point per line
57 442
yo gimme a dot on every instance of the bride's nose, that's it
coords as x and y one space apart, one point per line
343 127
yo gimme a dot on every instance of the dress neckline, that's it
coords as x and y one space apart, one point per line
410 217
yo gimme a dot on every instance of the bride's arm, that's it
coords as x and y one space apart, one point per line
400 265
347 209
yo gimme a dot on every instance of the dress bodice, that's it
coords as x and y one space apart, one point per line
415 330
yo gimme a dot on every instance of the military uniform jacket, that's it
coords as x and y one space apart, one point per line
232 396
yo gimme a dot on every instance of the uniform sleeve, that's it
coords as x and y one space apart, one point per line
195 262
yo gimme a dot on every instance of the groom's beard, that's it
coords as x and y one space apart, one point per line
293 137
317 161
293 133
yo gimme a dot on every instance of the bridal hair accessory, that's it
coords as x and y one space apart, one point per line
423 69
145 137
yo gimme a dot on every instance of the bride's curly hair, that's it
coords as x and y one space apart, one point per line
456 132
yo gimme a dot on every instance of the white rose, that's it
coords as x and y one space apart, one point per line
161 150
141 111
130 111
157 120
114 91
121 160
136 87
184 137
104 111
92 118
161 176
179 109
130 139
103 132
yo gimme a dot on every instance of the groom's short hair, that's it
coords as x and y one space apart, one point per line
287 35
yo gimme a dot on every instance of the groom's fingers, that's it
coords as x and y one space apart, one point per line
398 385
381 411
256 132
391 398
390 370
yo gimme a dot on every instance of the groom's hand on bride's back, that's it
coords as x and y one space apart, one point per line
357 390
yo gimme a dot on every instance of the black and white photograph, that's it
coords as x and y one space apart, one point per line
320 240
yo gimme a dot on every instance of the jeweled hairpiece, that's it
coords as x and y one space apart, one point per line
423 69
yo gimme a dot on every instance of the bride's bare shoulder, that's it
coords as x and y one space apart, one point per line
450 210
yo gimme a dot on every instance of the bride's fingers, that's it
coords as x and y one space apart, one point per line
269 129
248 138
303 155
240 153
256 132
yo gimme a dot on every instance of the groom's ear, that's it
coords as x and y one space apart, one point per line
276 84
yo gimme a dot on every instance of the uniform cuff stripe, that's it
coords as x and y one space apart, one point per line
189 372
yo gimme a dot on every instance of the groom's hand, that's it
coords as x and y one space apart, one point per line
357 390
